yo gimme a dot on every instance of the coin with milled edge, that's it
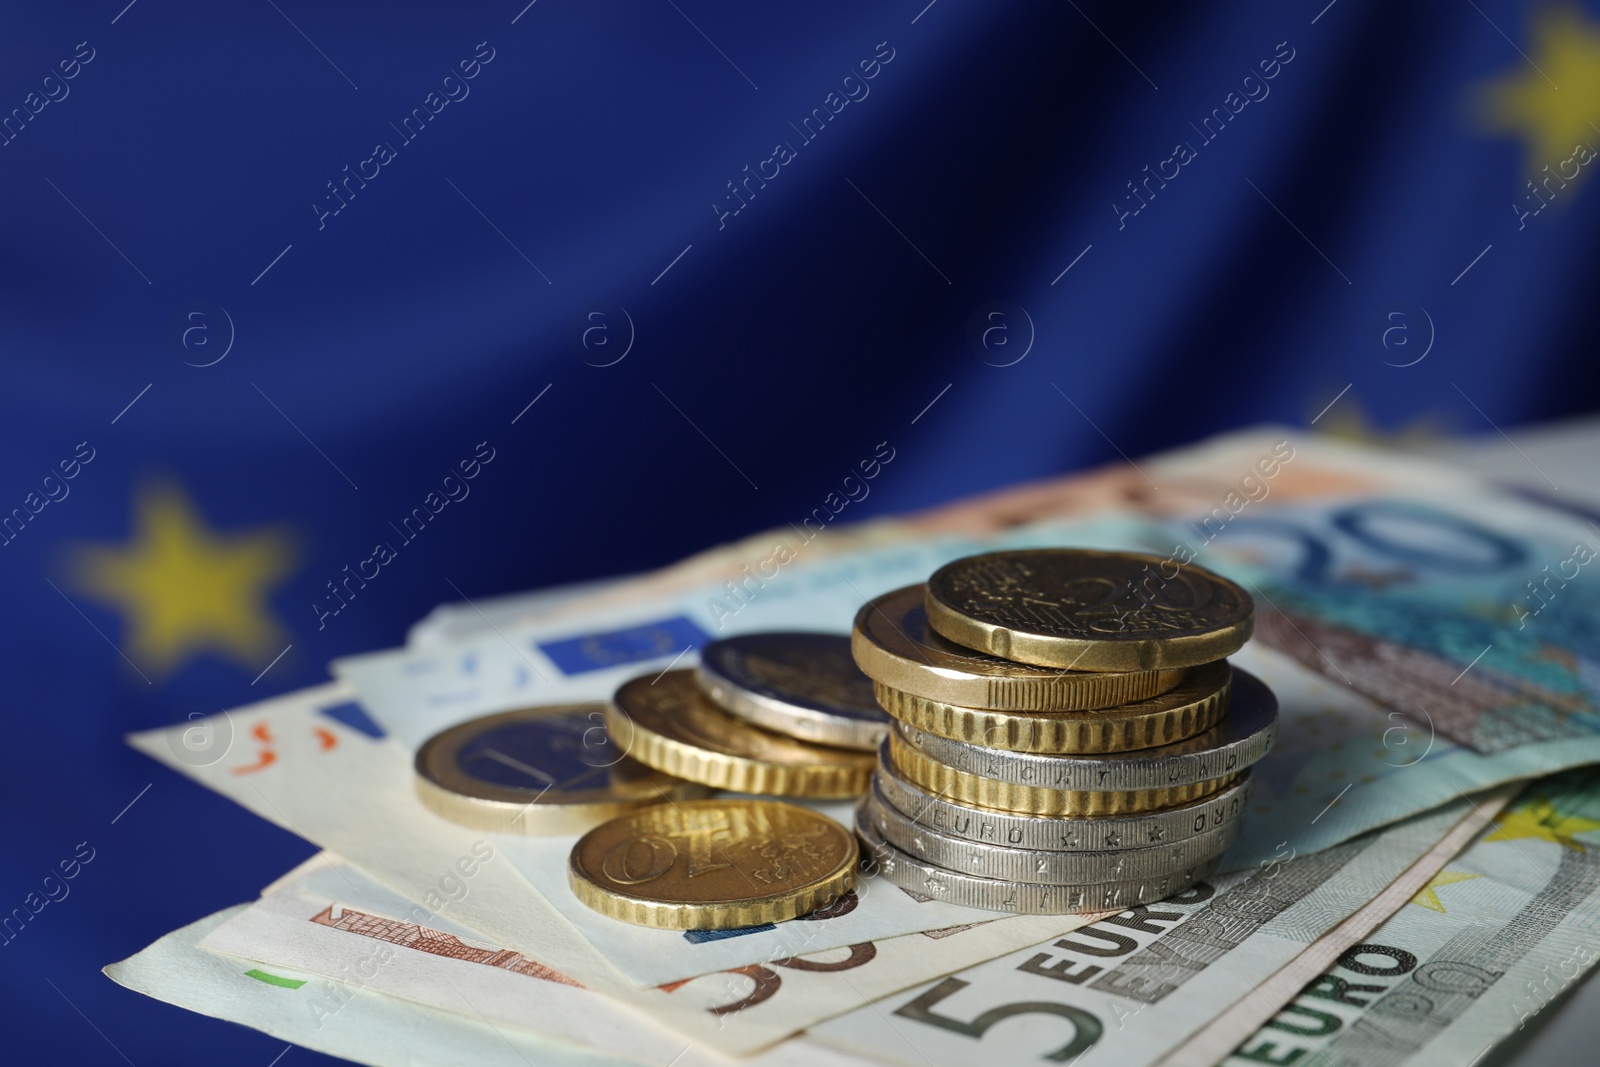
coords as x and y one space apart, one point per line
970 822
935 777
669 724
713 864
1193 707
540 770
1021 898
1083 609
804 685
1243 736
1049 867
893 644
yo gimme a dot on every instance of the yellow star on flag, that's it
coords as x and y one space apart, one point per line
1553 94
1428 895
183 588
1539 818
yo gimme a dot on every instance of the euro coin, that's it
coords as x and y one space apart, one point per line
935 777
894 645
713 864
1020 898
803 685
669 724
1193 707
1046 866
1241 739
1082 609
539 770
970 822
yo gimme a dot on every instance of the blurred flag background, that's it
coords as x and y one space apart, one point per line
317 317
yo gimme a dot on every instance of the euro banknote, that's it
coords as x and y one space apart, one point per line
316 765
1480 616
1475 956
1465 604
1344 763
1373 731
330 919
370 1028
1130 989
322 961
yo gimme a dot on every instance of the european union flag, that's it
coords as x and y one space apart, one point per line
319 316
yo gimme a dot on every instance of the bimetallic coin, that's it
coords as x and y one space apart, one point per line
894 645
969 822
541 770
1020 898
1052 867
1083 609
1194 706
804 685
1243 736
669 724
713 864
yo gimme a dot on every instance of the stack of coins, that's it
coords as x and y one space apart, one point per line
1069 735
784 714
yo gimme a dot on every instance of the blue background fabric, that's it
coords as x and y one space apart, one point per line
276 272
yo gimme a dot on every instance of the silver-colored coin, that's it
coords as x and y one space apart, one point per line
1244 735
968 822
1048 867
1017 898
804 685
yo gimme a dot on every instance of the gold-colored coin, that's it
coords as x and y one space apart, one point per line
947 782
713 864
539 770
1245 735
1190 709
1083 609
669 724
894 645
